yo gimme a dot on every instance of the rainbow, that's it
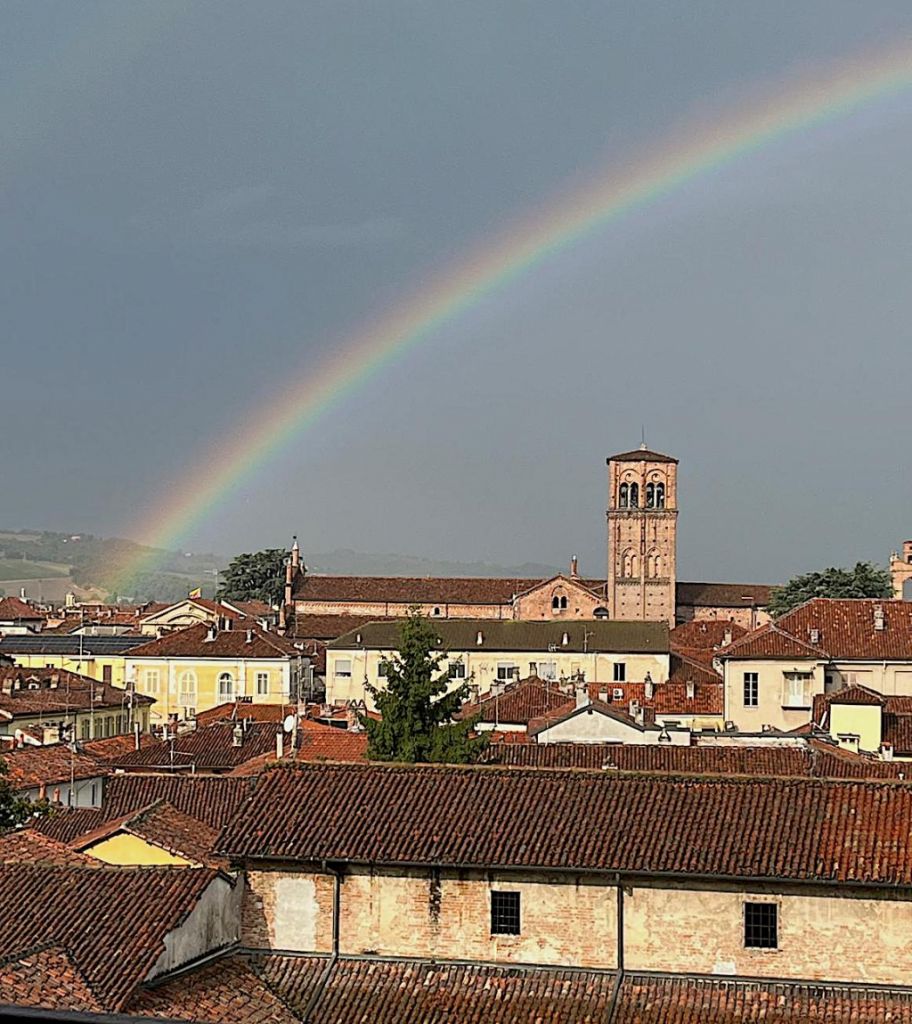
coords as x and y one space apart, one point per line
797 106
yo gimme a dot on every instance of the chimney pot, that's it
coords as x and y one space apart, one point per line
279 745
574 568
479 638
691 689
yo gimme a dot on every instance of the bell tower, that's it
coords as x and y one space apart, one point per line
642 535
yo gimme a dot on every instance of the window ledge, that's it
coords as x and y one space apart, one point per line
796 707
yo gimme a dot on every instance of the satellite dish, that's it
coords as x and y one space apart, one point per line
289 723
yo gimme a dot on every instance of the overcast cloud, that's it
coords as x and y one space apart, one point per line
199 200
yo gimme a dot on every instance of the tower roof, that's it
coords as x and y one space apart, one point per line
641 455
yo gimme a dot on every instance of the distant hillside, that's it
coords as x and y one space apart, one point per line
345 562
46 565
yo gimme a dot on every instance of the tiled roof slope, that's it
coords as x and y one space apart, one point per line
323 743
327 627
519 703
705 634
420 589
66 823
226 643
801 762
28 846
846 627
39 691
70 907
723 595
210 748
233 710
265 989
209 799
641 455
12 610
669 698
518 635
49 765
773 641
496 817
107 750
46 977
651 999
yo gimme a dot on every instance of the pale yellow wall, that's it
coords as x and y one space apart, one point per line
125 848
773 693
88 725
482 667
862 720
244 671
92 667
568 920
888 678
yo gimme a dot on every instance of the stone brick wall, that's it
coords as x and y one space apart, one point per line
824 934
393 609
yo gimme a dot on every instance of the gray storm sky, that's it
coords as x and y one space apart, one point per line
199 199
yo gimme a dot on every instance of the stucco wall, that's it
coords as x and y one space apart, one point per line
771 709
568 920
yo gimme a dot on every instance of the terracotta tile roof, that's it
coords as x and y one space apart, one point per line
108 750
846 627
70 907
651 999
66 823
571 709
28 846
193 643
232 990
233 710
210 748
507 817
705 634
773 641
897 731
43 691
162 825
30 767
261 988
669 698
641 455
209 799
14 610
518 635
320 743
816 760
328 627
722 595
857 695
407 589
46 977
519 703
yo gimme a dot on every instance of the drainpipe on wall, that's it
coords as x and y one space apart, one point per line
321 986
619 980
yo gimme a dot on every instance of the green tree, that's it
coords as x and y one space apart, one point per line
417 706
14 809
864 580
255 577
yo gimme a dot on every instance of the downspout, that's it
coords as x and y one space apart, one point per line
324 980
619 979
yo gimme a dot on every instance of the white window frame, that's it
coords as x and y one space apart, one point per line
547 670
186 688
262 684
750 697
222 678
507 670
151 680
456 670
619 672
796 687
342 673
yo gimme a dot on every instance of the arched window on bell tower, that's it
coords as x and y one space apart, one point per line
650 495
660 495
634 495
623 496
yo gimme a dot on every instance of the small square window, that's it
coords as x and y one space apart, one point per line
761 923
505 913
620 671
456 670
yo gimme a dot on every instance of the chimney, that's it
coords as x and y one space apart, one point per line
649 687
726 638
53 682
249 638
691 689
574 568
137 743
886 751
565 639
289 579
879 624
479 638
210 634
814 636
636 711
279 745
582 695
295 553
237 735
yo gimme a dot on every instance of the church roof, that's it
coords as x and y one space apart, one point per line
641 455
